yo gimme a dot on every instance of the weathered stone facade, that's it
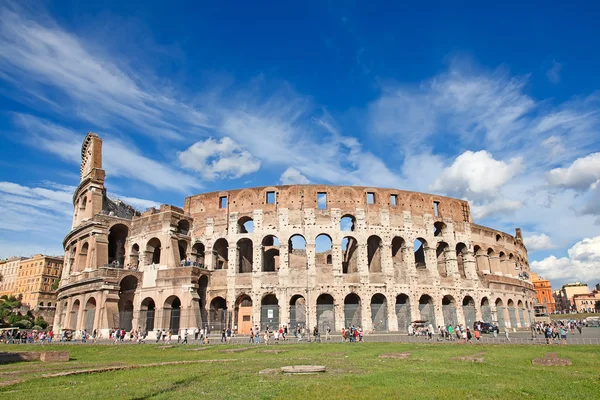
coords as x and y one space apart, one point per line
287 255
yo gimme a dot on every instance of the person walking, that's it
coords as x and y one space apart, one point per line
506 333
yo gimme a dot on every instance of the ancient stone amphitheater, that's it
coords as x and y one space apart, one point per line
331 256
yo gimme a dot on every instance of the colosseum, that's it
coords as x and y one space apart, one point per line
330 256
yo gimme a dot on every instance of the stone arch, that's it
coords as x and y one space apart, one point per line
461 252
500 312
90 315
198 254
439 228
403 312
117 236
440 253
297 252
427 310
147 314
243 314
245 225
182 246
449 310
82 257
374 244
270 249
481 263
172 307
419 247
202 292
347 223
325 312
486 310
127 286
379 314
297 311
183 227
469 311
323 250
269 312
221 254
153 249
492 261
245 255
352 311
134 255
512 313
74 314
349 255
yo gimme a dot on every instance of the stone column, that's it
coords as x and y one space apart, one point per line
310 259
336 260
470 266
391 315
363 263
338 311
365 314
284 259
385 253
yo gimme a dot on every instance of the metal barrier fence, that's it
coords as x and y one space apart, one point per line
427 313
450 316
325 317
403 316
379 317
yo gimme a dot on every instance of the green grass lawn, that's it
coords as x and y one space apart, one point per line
354 371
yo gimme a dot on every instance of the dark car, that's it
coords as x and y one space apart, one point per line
488 327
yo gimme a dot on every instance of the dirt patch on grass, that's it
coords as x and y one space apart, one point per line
197 349
235 350
551 359
401 356
273 351
475 358
8 383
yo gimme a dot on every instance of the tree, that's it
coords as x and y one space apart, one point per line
1 278
597 305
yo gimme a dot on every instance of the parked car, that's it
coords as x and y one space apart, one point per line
488 327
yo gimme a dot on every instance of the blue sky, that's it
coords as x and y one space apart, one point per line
499 106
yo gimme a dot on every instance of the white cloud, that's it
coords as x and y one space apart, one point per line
582 174
497 206
138 204
292 176
538 242
553 73
215 159
119 159
582 263
477 174
36 55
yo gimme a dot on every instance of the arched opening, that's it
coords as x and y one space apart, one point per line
503 267
183 227
243 314
521 310
492 261
486 310
379 317
323 248
500 313
82 259
74 314
461 251
403 312
347 223
117 236
153 250
427 310
218 314
440 253
352 315
439 228
325 312
269 312
297 312
449 311
419 247
147 314
173 313
270 249
398 248
220 254
480 260
297 252
498 238
202 291
90 314
245 255
469 311
183 245
198 255
349 255
127 290
134 256
245 225
374 253
512 313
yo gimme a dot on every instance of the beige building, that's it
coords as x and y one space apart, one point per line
9 269
331 256
565 300
585 302
35 278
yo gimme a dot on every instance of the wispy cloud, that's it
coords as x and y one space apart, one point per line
58 67
120 158
553 73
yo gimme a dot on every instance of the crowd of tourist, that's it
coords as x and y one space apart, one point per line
557 330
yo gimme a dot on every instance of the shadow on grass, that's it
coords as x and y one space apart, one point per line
174 386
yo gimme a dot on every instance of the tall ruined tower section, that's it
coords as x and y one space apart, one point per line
87 199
